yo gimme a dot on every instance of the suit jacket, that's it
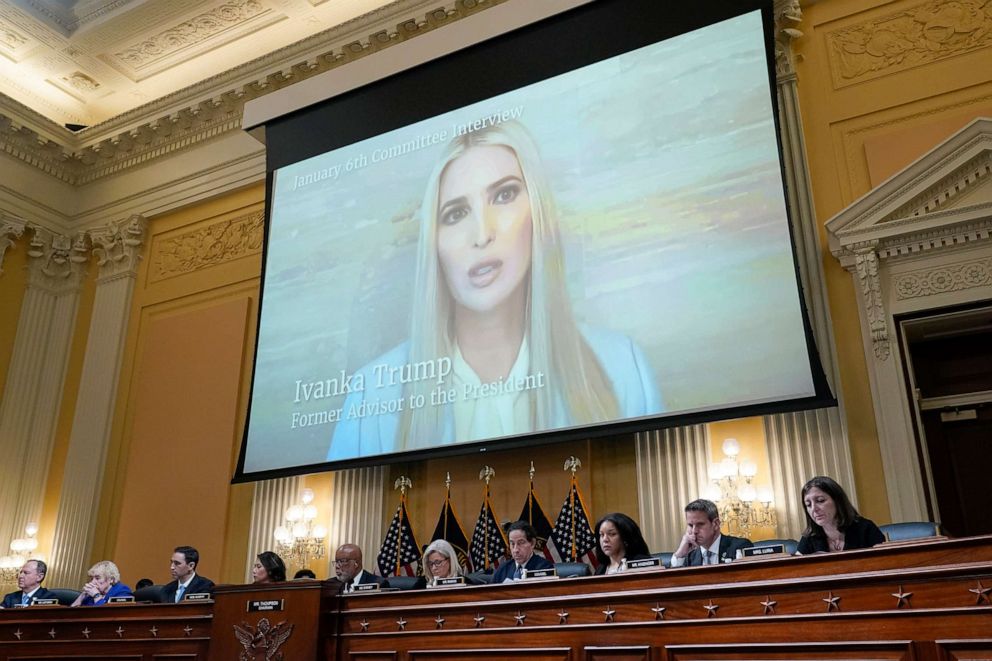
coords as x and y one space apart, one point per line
198 584
13 599
729 545
116 590
505 570
861 534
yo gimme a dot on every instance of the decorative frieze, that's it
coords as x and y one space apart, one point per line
944 279
921 34
207 246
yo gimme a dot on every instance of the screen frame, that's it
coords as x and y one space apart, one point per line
564 42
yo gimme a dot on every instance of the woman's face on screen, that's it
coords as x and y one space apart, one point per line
484 227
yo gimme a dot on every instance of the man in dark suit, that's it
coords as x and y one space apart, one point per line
348 568
29 581
185 580
702 543
522 538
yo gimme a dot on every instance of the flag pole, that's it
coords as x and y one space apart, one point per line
447 501
486 474
402 483
572 464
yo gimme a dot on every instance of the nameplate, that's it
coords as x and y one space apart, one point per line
539 573
45 602
198 596
120 600
266 605
449 582
761 551
365 587
644 563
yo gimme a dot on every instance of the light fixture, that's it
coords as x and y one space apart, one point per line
743 507
300 539
22 550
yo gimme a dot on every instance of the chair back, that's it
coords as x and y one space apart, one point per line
572 569
65 595
150 593
789 544
407 582
480 577
895 532
666 558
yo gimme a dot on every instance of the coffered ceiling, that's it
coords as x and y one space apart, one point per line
84 62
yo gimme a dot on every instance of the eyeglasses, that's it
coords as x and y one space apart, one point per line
343 561
437 563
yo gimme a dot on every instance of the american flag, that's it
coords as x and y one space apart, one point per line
534 514
573 537
489 545
450 528
400 552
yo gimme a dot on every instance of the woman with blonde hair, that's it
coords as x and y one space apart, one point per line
492 321
104 583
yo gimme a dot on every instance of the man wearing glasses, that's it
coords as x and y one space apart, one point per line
348 569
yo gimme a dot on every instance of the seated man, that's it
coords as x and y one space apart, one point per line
702 543
522 538
348 569
185 580
29 581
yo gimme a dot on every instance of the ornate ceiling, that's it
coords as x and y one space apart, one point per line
84 62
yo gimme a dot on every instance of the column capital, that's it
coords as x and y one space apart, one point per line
58 262
117 247
788 16
10 229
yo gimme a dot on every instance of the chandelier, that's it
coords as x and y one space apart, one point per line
22 550
743 507
299 539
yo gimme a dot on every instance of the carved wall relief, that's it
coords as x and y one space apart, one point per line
206 246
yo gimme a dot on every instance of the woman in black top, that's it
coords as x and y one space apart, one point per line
619 538
832 523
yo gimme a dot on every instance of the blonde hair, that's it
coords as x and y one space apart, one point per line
448 551
105 569
578 386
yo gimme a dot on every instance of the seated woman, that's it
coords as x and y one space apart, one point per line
619 539
104 583
268 568
441 561
832 523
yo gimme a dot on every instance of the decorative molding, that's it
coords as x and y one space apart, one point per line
79 81
10 229
58 262
866 267
788 17
207 246
944 279
195 30
77 159
922 34
117 247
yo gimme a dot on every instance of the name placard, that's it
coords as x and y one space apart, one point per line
761 551
266 605
365 587
644 563
120 600
45 602
198 596
529 574
449 582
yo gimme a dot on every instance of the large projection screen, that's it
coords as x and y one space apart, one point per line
518 245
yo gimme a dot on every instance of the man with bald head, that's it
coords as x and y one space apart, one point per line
29 581
348 568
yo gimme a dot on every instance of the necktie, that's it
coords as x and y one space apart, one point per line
24 599
517 573
710 558
180 592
